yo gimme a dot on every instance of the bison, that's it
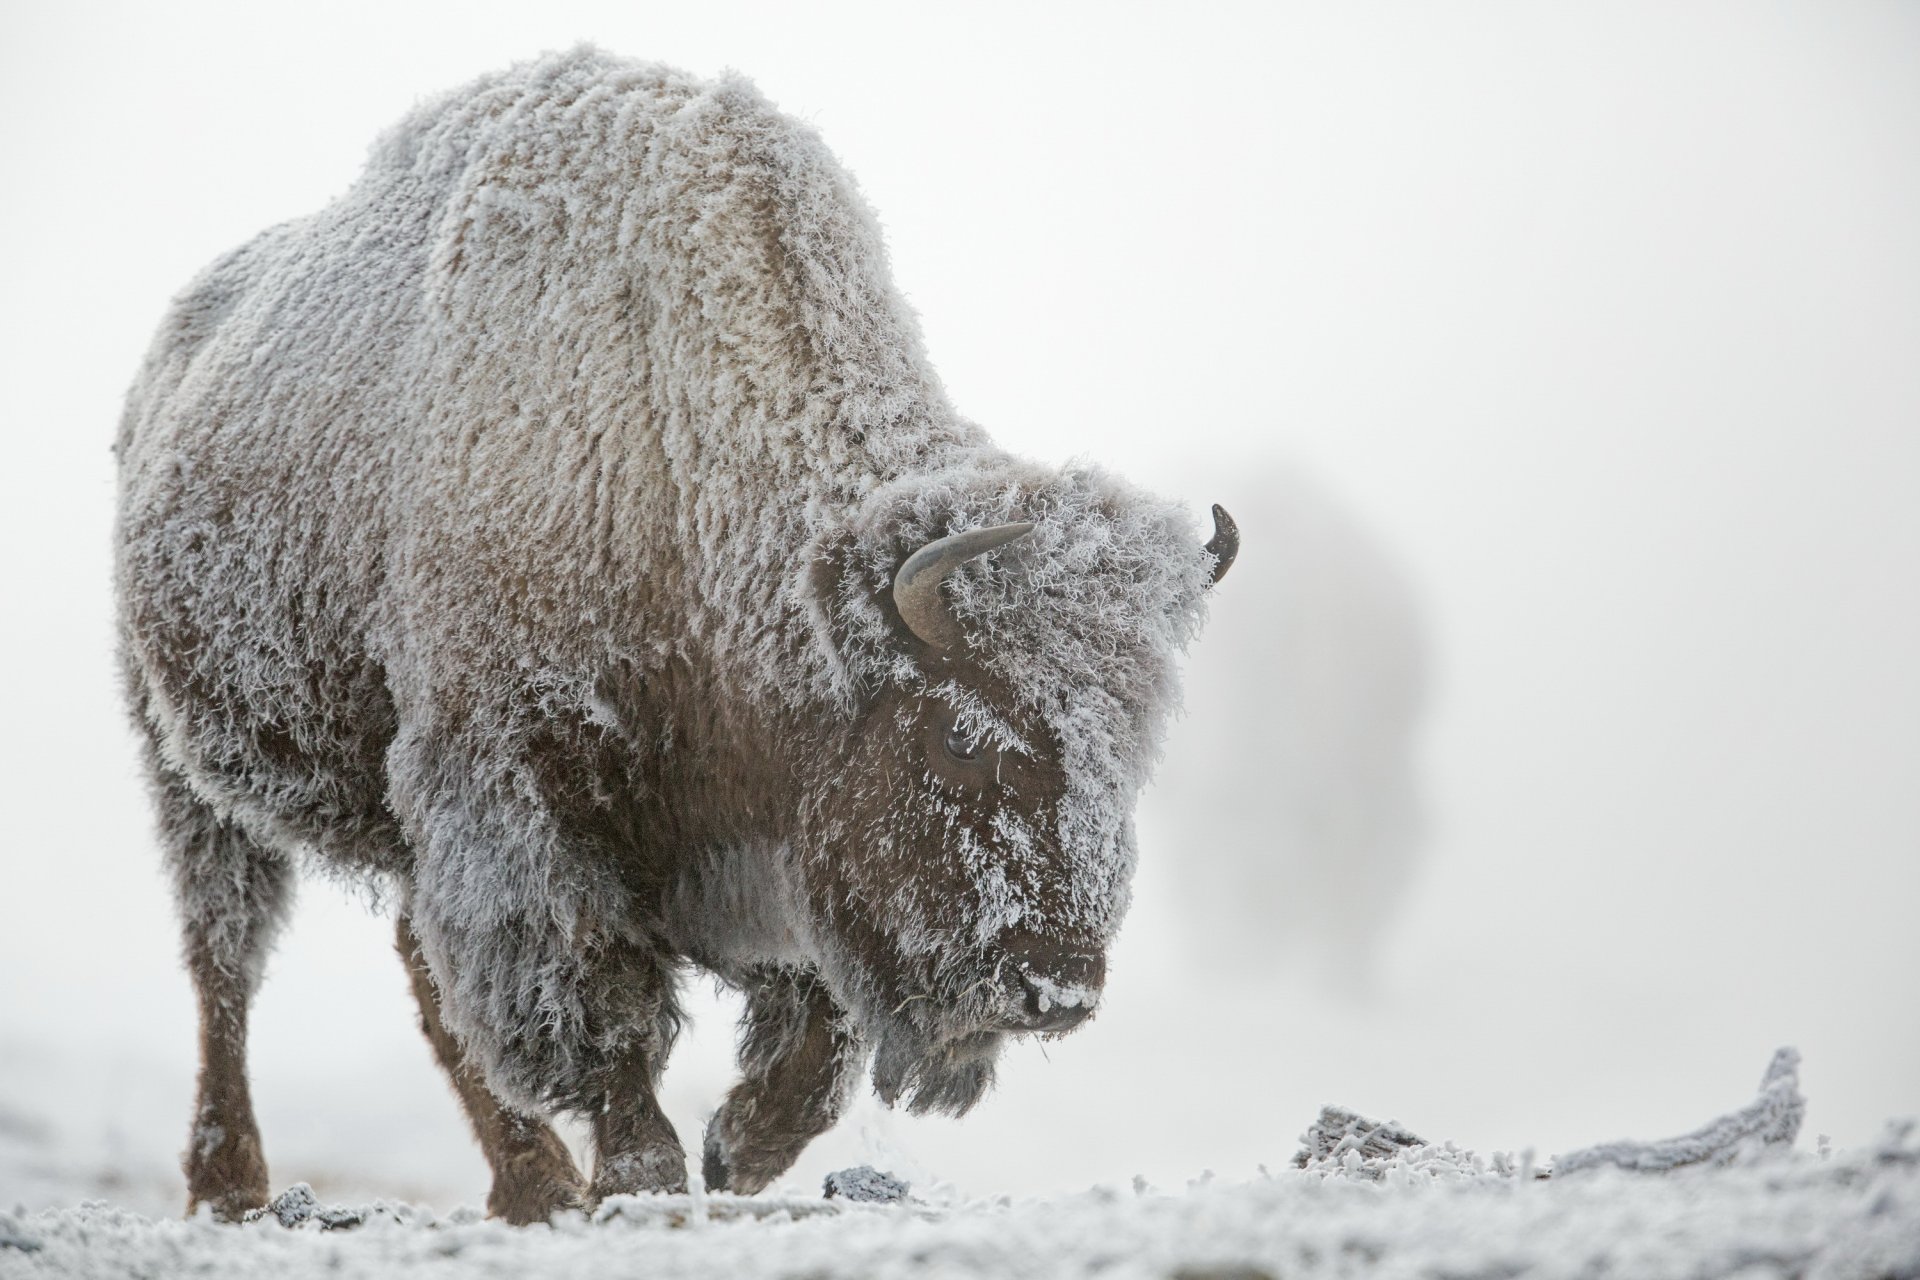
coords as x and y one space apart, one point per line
564 530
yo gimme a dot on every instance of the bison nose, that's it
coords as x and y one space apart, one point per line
1050 1006
1058 988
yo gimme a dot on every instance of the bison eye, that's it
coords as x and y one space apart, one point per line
960 744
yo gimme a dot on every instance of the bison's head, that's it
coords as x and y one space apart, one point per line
1009 644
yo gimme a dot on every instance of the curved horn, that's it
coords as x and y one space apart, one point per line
1224 545
916 588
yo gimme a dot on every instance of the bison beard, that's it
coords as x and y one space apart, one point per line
565 530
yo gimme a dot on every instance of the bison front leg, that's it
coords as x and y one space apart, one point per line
548 1023
800 1059
533 1175
556 1023
523 913
635 1150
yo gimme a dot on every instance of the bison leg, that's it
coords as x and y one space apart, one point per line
533 1175
635 1148
233 896
501 988
522 913
800 1059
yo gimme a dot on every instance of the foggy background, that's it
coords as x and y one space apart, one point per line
1560 363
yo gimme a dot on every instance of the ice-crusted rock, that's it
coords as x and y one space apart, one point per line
865 1183
297 1206
294 1205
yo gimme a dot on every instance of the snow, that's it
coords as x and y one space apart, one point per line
1049 994
1364 1198
1856 1214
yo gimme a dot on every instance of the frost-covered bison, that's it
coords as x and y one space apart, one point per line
566 528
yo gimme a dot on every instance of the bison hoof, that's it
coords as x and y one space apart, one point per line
744 1173
229 1206
714 1170
533 1190
637 1173
228 1175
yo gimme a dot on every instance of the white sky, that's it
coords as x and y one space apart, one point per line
1604 318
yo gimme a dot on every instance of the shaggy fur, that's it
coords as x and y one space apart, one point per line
518 530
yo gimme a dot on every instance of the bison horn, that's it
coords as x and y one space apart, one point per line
1224 545
916 588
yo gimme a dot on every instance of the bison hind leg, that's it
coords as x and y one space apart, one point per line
233 896
799 1059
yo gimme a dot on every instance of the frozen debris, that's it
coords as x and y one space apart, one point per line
1344 1143
1770 1120
1339 1131
865 1183
294 1205
297 1206
336 1218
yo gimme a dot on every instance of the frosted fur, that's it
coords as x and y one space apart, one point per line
516 531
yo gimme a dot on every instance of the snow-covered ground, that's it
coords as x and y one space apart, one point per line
1852 1216
1365 1200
